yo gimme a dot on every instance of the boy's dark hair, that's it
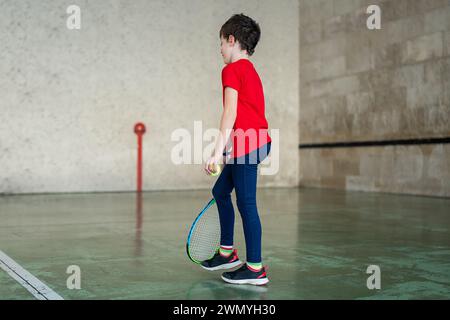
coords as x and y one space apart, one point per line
244 29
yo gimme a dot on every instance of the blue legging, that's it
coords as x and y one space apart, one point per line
242 176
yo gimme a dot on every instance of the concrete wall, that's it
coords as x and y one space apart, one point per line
369 85
70 98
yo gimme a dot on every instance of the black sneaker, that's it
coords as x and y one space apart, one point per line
219 262
244 275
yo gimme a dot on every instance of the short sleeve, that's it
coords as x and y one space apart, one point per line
230 78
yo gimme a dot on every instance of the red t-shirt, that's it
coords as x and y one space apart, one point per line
250 130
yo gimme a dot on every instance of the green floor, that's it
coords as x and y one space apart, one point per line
317 244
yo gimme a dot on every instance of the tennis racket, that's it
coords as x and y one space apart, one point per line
204 236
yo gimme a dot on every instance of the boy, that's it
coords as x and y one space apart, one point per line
243 122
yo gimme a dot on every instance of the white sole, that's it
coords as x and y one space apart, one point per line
224 266
256 282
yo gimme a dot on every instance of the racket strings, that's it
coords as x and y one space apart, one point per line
205 236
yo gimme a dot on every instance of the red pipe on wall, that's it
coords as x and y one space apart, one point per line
139 129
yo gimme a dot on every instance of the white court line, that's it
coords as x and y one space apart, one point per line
27 280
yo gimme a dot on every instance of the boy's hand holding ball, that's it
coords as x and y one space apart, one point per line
212 166
214 169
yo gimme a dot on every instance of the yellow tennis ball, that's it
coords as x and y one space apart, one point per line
215 169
